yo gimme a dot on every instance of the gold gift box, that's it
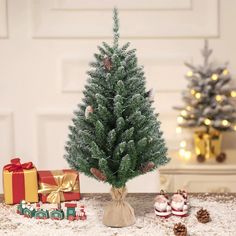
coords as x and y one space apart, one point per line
207 144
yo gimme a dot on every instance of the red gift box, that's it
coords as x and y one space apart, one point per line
58 185
20 182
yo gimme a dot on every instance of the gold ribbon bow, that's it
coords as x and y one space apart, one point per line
65 182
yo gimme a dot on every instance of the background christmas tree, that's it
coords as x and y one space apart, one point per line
209 96
115 135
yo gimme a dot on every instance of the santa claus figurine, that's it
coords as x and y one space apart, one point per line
179 203
162 205
185 196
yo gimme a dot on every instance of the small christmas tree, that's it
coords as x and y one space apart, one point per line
115 136
208 98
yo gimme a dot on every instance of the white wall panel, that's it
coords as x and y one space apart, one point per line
122 4
3 19
199 21
52 131
6 139
73 74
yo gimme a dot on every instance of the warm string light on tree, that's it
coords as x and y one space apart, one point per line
180 119
214 77
184 113
207 122
219 98
225 72
225 123
198 95
233 94
189 73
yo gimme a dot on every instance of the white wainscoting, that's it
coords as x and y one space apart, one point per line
46 46
122 5
53 19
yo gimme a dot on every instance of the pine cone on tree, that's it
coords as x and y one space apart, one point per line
203 216
180 230
107 63
98 174
147 167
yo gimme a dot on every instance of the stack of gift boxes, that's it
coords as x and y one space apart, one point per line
24 182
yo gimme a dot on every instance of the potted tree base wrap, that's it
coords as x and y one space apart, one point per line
118 213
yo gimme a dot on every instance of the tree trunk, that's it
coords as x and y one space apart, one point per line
118 213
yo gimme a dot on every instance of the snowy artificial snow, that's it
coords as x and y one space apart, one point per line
222 209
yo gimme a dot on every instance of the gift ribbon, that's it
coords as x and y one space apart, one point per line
18 181
16 166
64 182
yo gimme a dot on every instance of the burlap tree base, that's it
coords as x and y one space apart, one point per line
118 213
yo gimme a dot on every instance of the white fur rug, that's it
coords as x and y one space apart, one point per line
222 210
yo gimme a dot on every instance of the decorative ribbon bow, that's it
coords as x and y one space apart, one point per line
17 166
64 183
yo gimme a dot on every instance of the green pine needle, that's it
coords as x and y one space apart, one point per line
115 27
